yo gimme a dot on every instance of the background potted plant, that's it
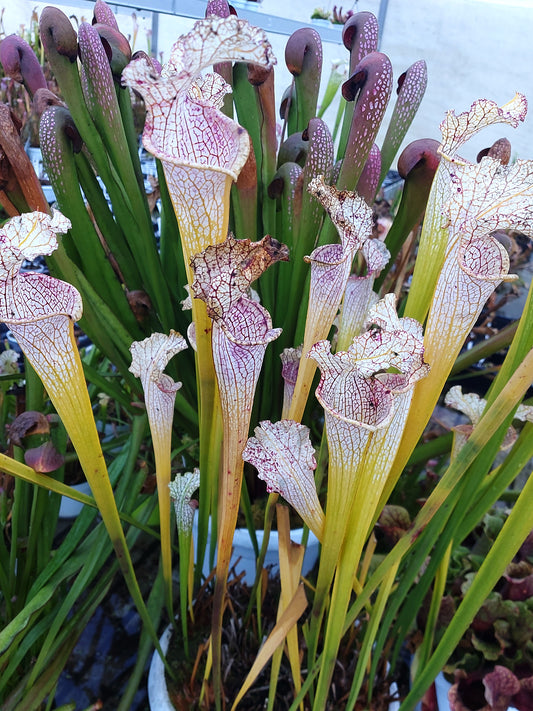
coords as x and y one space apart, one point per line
491 666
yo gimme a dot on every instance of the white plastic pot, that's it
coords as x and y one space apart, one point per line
243 556
70 508
158 697
35 155
243 560
441 689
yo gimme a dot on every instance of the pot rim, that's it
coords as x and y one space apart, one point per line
158 697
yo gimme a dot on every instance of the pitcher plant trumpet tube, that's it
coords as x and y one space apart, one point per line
242 329
330 269
472 405
149 359
181 490
40 311
202 152
365 392
285 459
468 202
456 131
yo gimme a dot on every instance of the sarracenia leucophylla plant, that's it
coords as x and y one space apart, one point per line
202 152
369 382
474 207
40 311
116 249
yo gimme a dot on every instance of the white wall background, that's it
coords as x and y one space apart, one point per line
473 49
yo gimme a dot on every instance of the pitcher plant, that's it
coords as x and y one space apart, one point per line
322 376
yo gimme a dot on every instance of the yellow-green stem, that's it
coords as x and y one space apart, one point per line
229 496
343 440
424 651
162 467
65 384
210 425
